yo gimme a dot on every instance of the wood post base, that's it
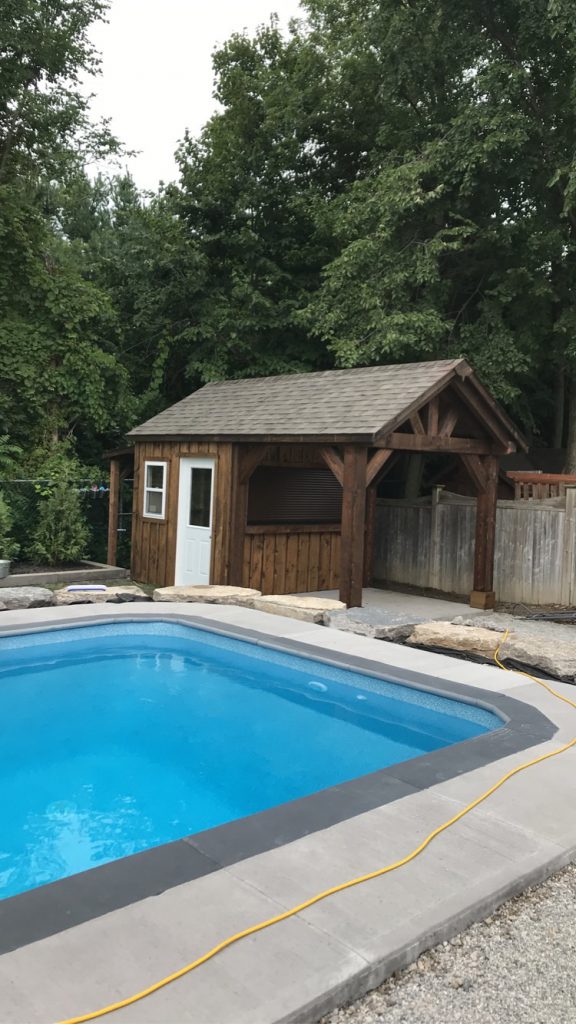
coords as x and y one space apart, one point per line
485 599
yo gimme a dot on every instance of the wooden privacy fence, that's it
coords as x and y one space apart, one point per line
430 543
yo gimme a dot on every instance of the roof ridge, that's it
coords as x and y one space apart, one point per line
334 369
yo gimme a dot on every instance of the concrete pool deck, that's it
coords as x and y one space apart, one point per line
334 951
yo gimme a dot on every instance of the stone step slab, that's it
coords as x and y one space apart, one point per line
306 609
378 623
208 594
117 594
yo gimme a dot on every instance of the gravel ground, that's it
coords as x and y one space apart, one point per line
517 966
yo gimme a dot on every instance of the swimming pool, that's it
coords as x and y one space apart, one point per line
120 737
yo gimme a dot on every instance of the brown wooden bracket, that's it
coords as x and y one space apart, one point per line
416 423
476 471
416 443
250 459
377 463
484 414
334 462
432 417
448 422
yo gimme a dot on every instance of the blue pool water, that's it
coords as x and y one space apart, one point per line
115 738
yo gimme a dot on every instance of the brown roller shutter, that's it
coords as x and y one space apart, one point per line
294 496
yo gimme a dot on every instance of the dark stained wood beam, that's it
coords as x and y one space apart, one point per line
432 417
448 422
371 497
483 595
250 459
415 443
376 463
416 423
113 511
238 519
475 468
334 462
484 414
353 525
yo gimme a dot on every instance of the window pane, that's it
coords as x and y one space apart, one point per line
200 488
155 476
154 503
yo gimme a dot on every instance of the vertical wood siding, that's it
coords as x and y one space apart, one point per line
153 540
275 559
432 545
294 559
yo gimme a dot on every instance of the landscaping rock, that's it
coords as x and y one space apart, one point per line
207 594
469 639
487 620
375 622
26 597
546 646
554 657
540 646
117 595
306 609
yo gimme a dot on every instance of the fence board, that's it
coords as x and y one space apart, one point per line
426 546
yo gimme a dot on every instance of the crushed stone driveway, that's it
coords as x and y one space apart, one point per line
517 967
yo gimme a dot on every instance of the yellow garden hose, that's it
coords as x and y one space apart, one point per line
261 925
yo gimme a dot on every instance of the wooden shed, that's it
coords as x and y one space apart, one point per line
271 482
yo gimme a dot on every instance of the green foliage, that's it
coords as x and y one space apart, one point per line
61 532
9 456
44 119
383 182
8 547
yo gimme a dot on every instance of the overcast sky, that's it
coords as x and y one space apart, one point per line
156 73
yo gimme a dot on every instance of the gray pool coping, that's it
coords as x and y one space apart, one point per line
47 909
524 835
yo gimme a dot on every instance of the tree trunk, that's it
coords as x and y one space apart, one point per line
570 463
560 407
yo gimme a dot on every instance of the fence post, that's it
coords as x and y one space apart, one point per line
434 566
568 581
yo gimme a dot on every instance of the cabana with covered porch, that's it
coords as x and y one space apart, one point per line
272 482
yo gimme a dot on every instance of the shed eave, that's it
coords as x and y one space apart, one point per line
368 439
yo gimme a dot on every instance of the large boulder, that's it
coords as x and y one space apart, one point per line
13 598
469 639
307 609
207 594
554 657
539 646
379 623
118 595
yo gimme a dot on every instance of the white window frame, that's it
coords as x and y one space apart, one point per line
155 490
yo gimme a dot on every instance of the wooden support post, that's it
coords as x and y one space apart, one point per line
371 494
114 496
352 530
238 518
486 503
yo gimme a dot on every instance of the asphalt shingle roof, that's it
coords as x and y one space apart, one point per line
353 404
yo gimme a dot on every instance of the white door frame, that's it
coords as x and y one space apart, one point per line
188 557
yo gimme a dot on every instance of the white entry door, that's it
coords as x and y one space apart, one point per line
194 538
